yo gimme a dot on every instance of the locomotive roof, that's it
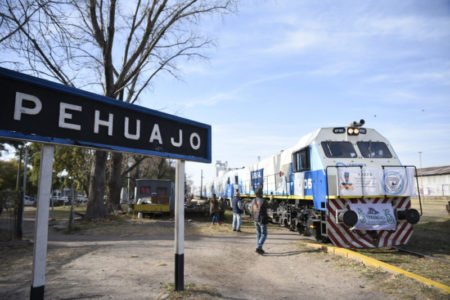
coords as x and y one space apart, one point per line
326 133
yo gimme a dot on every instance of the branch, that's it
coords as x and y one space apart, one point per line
161 66
109 69
148 31
136 163
132 30
98 33
47 61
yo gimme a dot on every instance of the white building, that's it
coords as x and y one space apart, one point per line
434 181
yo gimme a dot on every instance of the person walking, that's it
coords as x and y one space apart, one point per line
236 204
214 210
261 219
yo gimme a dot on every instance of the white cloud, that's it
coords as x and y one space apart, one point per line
408 27
213 100
234 94
342 67
191 67
295 42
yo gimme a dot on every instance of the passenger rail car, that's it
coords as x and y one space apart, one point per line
343 184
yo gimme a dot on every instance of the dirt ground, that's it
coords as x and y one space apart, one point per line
134 259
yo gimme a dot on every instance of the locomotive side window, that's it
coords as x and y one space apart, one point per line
301 160
339 149
374 150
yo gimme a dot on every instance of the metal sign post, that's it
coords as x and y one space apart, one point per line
69 116
41 228
179 226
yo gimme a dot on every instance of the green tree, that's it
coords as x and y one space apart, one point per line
18 149
8 173
112 46
75 161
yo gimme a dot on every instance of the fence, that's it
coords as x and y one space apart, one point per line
11 210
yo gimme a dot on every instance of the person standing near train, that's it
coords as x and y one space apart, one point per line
214 210
261 219
236 204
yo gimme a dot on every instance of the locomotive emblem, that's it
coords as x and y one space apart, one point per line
389 218
346 184
393 183
372 211
361 216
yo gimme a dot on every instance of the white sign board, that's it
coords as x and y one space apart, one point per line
398 181
379 216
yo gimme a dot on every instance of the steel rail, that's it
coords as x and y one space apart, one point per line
421 254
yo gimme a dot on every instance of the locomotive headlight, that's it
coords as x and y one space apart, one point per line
353 131
348 217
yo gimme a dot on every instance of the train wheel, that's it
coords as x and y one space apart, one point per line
293 226
285 223
310 229
318 234
301 228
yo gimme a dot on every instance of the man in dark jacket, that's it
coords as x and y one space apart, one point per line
236 204
261 219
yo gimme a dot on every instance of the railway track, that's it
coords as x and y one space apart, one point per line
411 252
421 255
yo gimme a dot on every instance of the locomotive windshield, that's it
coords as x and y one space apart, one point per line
374 150
339 149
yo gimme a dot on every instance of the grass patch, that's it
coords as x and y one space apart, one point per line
431 237
204 226
191 291
399 286
58 213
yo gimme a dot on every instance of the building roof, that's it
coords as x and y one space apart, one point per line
434 171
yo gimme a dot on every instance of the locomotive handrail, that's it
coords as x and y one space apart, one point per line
362 180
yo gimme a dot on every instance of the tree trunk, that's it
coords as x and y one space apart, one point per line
96 208
115 182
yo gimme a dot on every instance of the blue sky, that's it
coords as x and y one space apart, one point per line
282 69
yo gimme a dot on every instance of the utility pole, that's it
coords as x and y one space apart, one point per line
72 203
421 175
201 184
21 206
129 164
19 169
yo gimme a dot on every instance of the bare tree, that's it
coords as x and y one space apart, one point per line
10 22
116 47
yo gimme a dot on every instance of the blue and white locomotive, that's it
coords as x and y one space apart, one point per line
343 184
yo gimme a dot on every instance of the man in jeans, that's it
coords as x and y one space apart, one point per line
236 204
261 219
